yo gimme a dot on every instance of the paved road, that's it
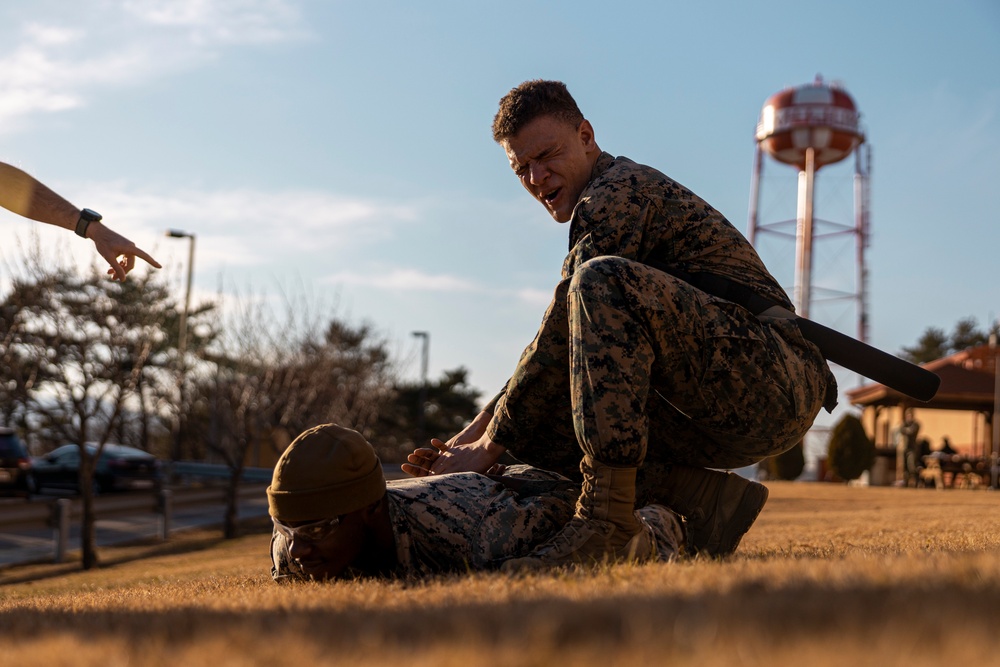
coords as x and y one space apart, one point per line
32 544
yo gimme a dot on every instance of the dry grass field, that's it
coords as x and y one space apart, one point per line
829 575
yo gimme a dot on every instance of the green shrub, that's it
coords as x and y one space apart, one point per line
850 451
788 465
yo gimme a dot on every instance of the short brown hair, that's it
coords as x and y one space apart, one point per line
530 100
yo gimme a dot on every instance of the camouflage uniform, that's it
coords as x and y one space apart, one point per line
470 522
640 368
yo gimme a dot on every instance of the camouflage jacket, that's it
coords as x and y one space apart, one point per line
471 522
467 522
632 211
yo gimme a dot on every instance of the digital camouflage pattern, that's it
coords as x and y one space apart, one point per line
470 522
635 366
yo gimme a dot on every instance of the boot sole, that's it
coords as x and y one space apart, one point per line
752 502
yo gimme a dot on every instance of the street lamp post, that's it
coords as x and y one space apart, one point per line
995 436
182 341
422 416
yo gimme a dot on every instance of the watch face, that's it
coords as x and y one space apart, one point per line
90 214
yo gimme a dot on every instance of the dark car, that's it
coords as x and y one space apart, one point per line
16 474
118 467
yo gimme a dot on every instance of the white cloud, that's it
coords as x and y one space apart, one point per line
414 280
534 297
54 65
251 227
328 239
268 232
278 231
220 21
44 35
403 279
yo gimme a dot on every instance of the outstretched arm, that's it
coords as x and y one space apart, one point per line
22 194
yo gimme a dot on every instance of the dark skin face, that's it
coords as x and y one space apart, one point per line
363 542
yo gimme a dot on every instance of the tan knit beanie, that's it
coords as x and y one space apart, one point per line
327 471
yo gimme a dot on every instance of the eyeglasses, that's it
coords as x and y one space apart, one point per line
314 531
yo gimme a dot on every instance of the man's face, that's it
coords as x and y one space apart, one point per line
554 161
328 556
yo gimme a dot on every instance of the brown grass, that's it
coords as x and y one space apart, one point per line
829 575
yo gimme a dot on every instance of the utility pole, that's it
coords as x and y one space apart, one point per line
422 415
182 345
995 454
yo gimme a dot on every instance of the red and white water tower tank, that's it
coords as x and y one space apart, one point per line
820 116
808 127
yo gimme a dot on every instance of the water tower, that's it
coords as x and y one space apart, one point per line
809 127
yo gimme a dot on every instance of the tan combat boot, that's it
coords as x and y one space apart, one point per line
605 528
719 507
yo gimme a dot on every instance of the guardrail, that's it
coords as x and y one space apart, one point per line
60 513
105 506
14 516
197 469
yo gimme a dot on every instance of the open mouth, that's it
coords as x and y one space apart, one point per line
550 196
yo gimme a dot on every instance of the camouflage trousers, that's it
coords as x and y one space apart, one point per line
661 373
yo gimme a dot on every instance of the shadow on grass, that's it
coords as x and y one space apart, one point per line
804 611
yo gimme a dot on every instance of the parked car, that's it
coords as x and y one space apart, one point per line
16 475
118 467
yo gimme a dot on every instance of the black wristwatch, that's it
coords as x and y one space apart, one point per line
87 216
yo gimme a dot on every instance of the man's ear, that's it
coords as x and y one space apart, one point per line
371 511
586 133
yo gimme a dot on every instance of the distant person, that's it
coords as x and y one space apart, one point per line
656 361
946 447
909 443
20 193
336 517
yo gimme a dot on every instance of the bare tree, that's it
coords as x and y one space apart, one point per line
80 348
442 408
344 374
21 370
241 394
275 376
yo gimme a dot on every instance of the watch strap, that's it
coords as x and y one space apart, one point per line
87 216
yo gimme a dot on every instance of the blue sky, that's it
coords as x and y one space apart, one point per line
342 149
